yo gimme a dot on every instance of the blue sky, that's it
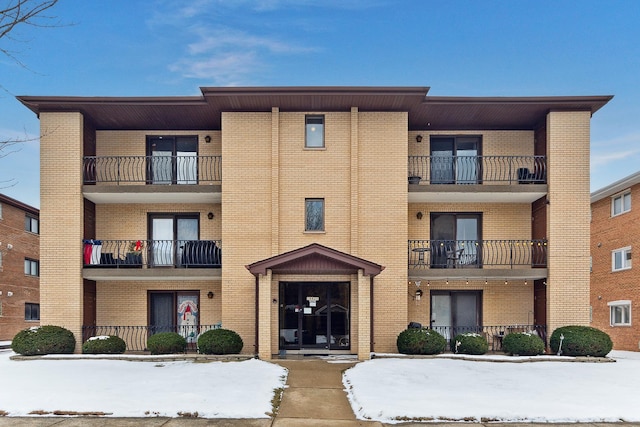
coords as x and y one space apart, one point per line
458 48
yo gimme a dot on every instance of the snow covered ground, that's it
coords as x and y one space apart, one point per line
394 390
388 390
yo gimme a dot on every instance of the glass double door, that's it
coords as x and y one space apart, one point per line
455 312
172 160
171 311
314 315
454 160
168 235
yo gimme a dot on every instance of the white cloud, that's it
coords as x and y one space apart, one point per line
229 38
602 159
226 69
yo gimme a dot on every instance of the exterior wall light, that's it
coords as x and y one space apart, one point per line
210 215
418 138
210 295
419 215
207 139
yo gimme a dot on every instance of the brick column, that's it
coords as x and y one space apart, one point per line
568 218
364 316
264 316
61 222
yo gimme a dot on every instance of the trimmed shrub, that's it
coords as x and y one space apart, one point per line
46 339
420 341
104 344
220 341
166 343
469 343
523 344
581 341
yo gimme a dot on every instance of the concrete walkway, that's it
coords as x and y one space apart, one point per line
315 395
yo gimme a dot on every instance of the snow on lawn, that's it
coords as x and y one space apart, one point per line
138 388
401 389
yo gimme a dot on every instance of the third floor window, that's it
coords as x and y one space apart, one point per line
31 224
620 203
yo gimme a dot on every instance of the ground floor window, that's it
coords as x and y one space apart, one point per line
175 311
620 313
314 315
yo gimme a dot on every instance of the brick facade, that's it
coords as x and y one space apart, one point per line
608 233
370 213
17 288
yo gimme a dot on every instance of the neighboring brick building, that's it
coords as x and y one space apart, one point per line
615 282
19 267
314 219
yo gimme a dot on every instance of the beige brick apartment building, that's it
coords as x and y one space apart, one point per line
615 283
19 267
314 219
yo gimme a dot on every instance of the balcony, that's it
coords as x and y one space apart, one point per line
502 179
151 259
485 259
152 179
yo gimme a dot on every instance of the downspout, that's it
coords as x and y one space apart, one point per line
371 314
257 345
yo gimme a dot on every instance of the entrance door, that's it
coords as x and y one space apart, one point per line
174 312
454 312
314 315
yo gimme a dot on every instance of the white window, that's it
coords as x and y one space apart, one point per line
621 259
621 203
620 313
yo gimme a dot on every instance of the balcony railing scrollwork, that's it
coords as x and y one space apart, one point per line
152 253
478 169
160 170
477 253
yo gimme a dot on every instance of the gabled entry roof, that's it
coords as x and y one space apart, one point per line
314 259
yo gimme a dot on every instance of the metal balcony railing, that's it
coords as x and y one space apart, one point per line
152 253
136 337
477 253
160 170
477 169
492 334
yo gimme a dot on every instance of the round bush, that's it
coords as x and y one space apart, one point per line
523 344
166 343
420 341
220 341
470 343
46 339
581 341
104 344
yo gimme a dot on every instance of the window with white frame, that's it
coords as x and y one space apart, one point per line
621 259
620 203
620 313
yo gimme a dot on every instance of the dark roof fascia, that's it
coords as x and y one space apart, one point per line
591 103
261 267
316 90
18 204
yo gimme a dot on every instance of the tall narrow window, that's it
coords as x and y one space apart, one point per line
314 132
31 224
620 204
314 213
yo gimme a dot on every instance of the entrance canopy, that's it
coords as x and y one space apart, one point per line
314 259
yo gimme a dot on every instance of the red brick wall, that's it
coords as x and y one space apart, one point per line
25 289
607 234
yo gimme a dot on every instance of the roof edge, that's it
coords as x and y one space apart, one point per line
18 204
615 187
